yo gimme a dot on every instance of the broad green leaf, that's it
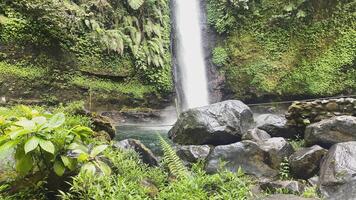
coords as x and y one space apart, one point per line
82 131
76 146
39 120
59 168
89 168
26 124
8 145
24 165
83 157
47 146
135 4
68 162
97 150
31 144
56 121
17 133
3 138
104 168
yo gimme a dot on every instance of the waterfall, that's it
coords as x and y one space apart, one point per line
189 52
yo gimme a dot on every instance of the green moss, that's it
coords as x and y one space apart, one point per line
134 88
10 71
290 48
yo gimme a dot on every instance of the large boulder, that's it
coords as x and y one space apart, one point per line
331 131
193 153
216 124
145 153
256 135
276 126
277 150
289 186
261 159
338 172
304 163
246 155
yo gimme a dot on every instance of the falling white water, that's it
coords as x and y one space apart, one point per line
190 53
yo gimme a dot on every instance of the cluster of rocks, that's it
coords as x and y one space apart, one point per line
226 136
301 114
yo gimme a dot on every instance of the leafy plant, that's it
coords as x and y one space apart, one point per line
284 170
172 161
135 4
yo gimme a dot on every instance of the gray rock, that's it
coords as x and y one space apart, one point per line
305 162
256 135
276 150
331 131
275 125
261 159
216 124
145 153
338 172
193 153
246 155
284 197
294 187
314 181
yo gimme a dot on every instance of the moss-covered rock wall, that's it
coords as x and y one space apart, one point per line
105 52
273 49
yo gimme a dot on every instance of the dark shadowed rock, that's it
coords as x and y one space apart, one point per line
305 162
256 135
193 153
103 123
246 154
285 197
294 187
277 149
146 154
331 131
216 124
338 172
275 125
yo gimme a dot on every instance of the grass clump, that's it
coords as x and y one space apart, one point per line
17 71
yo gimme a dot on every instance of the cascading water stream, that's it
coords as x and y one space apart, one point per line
190 54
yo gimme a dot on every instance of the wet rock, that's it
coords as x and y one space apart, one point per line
193 153
276 150
284 197
256 135
275 125
305 162
314 181
338 172
246 155
331 131
102 123
290 186
216 124
146 154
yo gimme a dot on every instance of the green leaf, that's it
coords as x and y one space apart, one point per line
83 157
82 131
68 162
56 121
39 120
97 150
24 164
7 146
59 168
15 134
31 144
26 124
78 148
104 168
89 168
47 146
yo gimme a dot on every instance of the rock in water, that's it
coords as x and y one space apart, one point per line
338 172
276 126
331 131
216 124
305 162
145 153
246 155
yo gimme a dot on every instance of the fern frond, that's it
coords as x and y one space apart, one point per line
173 162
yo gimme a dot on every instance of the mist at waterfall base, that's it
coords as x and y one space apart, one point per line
191 64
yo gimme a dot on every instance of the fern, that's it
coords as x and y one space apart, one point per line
172 161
